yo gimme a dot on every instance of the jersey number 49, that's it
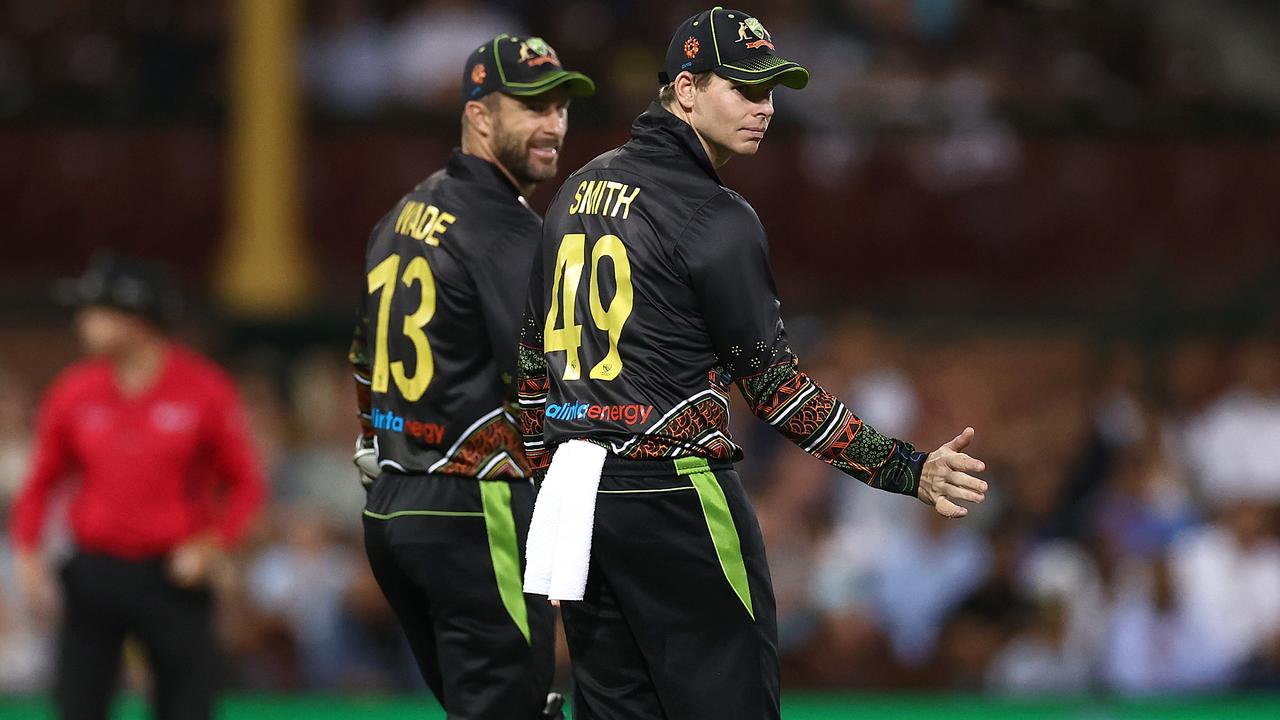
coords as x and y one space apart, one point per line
564 296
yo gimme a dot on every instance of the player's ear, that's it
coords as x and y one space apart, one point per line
478 117
686 87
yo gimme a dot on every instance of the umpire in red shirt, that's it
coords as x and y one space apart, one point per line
154 436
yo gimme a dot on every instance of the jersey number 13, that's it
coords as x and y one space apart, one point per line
382 278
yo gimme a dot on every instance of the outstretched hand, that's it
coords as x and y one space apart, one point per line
946 479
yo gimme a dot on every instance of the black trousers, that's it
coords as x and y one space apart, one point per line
106 599
678 621
448 553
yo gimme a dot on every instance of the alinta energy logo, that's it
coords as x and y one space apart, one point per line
628 414
430 433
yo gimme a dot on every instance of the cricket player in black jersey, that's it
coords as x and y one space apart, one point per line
652 296
450 493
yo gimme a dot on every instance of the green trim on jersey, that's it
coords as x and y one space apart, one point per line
420 513
504 550
645 492
724 534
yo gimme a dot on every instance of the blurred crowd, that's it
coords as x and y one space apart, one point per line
1130 542
962 64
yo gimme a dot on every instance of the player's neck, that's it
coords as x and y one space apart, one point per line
483 151
139 366
715 153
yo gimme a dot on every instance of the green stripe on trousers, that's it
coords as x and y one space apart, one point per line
504 550
724 534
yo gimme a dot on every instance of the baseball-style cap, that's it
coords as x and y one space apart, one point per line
733 45
519 66
125 284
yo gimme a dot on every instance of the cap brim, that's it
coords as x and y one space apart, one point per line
764 68
576 83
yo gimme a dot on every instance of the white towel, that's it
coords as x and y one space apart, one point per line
559 548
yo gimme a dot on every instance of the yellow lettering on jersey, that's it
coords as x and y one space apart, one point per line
423 222
586 197
603 197
624 199
613 187
409 215
419 231
596 196
587 187
577 198
439 227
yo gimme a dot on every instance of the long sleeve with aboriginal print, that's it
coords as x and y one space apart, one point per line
725 253
531 376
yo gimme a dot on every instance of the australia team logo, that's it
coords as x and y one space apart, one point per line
756 28
535 51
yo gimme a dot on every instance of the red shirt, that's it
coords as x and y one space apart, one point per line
154 469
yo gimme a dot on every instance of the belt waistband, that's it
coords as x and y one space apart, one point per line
625 467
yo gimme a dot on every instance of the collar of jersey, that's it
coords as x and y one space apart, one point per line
469 167
658 128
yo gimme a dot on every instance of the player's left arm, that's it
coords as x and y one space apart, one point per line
360 356
366 451
362 370
729 270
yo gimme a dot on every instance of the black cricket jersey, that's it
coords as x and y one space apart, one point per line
447 272
651 295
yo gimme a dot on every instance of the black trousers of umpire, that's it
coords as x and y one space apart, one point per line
448 553
106 599
678 621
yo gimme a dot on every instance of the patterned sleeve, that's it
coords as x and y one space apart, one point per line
728 267
531 374
824 427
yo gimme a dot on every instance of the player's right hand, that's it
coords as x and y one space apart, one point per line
946 479
366 459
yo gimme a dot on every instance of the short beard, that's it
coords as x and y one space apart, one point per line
513 154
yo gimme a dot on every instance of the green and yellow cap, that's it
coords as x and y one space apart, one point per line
519 66
732 44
